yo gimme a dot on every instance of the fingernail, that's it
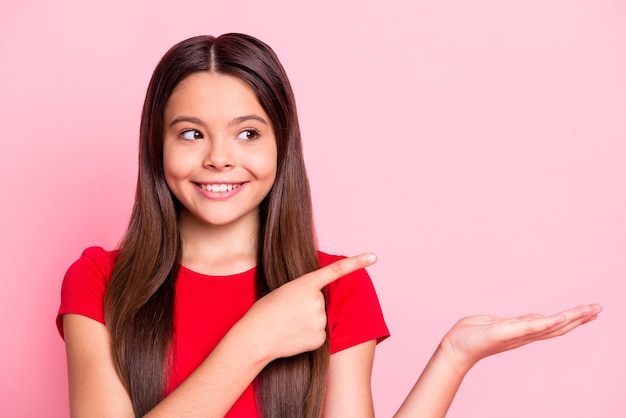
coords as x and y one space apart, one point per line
371 258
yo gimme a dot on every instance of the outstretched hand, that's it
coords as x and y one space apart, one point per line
292 318
476 337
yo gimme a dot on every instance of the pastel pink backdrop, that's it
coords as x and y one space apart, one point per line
478 147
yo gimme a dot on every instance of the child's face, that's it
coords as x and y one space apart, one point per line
219 150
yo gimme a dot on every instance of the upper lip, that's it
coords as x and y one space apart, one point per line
219 182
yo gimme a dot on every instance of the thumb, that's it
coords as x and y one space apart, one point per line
340 268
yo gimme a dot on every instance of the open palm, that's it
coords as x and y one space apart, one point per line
476 337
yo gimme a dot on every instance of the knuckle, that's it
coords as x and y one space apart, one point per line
319 339
342 267
337 268
322 321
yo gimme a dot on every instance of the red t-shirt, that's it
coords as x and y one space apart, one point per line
206 307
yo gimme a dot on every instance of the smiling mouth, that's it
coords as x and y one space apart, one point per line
220 187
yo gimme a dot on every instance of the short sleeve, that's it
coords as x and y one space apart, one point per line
354 312
84 285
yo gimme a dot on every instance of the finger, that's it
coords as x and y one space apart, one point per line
581 312
535 325
578 316
561 323
334 271
596 308
574 314
528 317
560 330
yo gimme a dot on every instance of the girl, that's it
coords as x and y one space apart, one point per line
217 302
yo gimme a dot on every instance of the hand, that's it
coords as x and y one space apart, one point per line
292 319
477 337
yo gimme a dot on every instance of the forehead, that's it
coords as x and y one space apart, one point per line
213 94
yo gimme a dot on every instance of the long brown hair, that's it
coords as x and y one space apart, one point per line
139 302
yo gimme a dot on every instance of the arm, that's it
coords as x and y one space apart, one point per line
287 321
96 390
474 338
348 388
435 389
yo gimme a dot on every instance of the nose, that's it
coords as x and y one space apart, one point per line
219 156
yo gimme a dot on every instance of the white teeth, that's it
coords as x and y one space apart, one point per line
219 187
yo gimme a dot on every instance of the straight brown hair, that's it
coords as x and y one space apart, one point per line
139 301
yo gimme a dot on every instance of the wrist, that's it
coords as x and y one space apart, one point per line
456 360
242 338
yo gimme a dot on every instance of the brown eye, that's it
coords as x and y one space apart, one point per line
191 135
248 134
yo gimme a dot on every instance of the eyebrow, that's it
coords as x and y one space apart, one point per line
246 118
236 121
190 119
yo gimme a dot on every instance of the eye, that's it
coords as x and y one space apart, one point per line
191 135
248 134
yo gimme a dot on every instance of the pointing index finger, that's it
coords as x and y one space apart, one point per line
340 268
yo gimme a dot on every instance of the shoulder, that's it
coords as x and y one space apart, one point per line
95 258
326 259
93 262
94 265
355 287
353 309
90 271
358 275
84 284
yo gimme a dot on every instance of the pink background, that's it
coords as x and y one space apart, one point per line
479 147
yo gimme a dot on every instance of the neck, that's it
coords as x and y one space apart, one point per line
218 249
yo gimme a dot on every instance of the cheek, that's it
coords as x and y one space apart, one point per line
266 163
170 171
175 167
172 183
177 162
175 177
266 171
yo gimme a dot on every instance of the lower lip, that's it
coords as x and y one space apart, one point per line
220 195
